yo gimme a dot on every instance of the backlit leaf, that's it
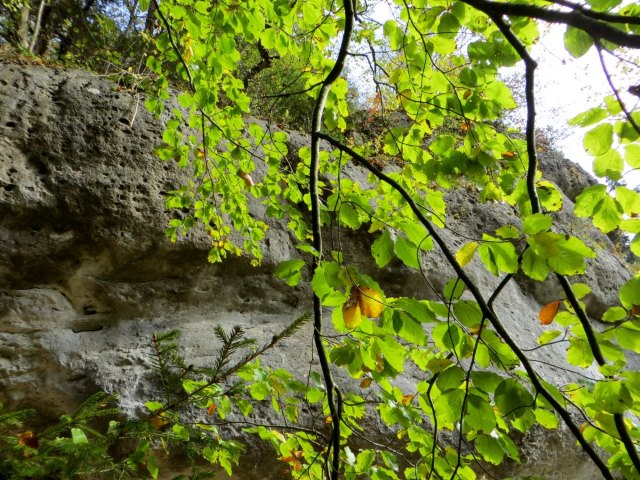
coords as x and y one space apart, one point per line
598 140
466 252
548 312
577 42
370 302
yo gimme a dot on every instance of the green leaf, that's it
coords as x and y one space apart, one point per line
632 155
454 289
382 249
546 418
577 42
609 164
536 223
512 398
290 271
153 406
508 232
614 314
590 197
612 396
325 282
548 336
603 5
535 266
629 200
78 436
490 449
630 293
598 140
591 116
550 196
608 214
407 252
349 216
152 466
579 353
498 256
181 432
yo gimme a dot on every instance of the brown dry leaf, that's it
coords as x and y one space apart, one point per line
370 302
549 312
248 181
211 408
635 310
158 422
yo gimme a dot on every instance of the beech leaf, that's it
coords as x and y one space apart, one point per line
548 312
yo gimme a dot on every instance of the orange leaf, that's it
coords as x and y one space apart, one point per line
549 312
508 154
635 310
293 460
407 399
28 439
366 381
351 310
211 409
370 302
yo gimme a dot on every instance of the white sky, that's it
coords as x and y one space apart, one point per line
568 86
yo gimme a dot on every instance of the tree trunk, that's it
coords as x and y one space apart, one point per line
150 23
22 32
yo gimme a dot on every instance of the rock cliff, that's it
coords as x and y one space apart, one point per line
87 275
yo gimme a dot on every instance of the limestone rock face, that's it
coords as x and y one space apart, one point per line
87 275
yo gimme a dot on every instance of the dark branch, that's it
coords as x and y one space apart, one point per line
477 295
599 30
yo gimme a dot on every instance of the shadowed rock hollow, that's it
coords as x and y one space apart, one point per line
87 275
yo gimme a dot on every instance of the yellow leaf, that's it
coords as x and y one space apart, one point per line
548 312
370 302
466 252
351 311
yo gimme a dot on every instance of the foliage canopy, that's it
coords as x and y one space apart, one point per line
432 126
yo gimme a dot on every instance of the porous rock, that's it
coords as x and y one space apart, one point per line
87 275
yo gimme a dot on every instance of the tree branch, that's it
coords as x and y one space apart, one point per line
477 295
335 407
599 30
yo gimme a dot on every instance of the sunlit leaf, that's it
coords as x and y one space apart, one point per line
466 252
548 312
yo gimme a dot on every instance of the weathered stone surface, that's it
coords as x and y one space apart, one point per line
87 276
